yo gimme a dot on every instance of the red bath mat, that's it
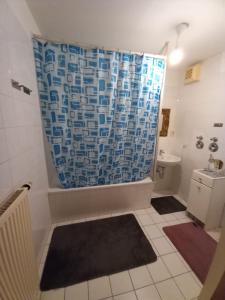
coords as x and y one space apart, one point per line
195 245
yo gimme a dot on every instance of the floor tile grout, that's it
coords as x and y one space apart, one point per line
110 286
153 283
179 288
132 285
88 289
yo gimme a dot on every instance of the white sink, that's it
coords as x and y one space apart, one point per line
213 174
167 159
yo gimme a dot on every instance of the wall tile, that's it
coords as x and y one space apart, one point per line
194 109
5 70
4 154
1 119
5 181
21 142
7 110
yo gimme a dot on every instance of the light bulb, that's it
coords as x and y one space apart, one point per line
176 56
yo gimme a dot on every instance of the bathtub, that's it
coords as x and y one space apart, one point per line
66 204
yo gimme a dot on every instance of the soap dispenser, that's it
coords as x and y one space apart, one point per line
211 163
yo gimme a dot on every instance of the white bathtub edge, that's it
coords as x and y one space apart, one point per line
107 186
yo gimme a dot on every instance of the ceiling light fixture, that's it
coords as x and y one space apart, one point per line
177 54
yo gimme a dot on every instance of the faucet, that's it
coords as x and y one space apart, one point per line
161 152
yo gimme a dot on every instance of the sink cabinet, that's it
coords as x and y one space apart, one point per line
207 199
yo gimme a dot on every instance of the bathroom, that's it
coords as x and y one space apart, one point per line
128 232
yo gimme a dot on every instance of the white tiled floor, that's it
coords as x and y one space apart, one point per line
148 293
215 233
158 270
53 295
145 219
153 231
174 264
127 296
169 278
140 277
99 288
163 246
168 290
77 291
188 286
121 283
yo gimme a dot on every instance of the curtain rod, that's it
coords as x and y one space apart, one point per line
37 36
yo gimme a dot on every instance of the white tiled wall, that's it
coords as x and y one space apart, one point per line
201 105
195 107
21 143
171 100
170 181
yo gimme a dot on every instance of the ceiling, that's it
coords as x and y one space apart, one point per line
137 25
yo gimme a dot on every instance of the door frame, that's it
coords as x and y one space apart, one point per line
216 270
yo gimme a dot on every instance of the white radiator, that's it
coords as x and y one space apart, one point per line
18 269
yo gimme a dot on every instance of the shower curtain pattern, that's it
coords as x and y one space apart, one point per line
99 110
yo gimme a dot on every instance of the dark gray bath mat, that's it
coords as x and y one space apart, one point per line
88 250
167 205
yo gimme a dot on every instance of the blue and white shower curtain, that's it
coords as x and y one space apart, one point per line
99 110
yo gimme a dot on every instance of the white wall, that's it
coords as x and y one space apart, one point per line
21 141
201 105
195 108
170 182
170 100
